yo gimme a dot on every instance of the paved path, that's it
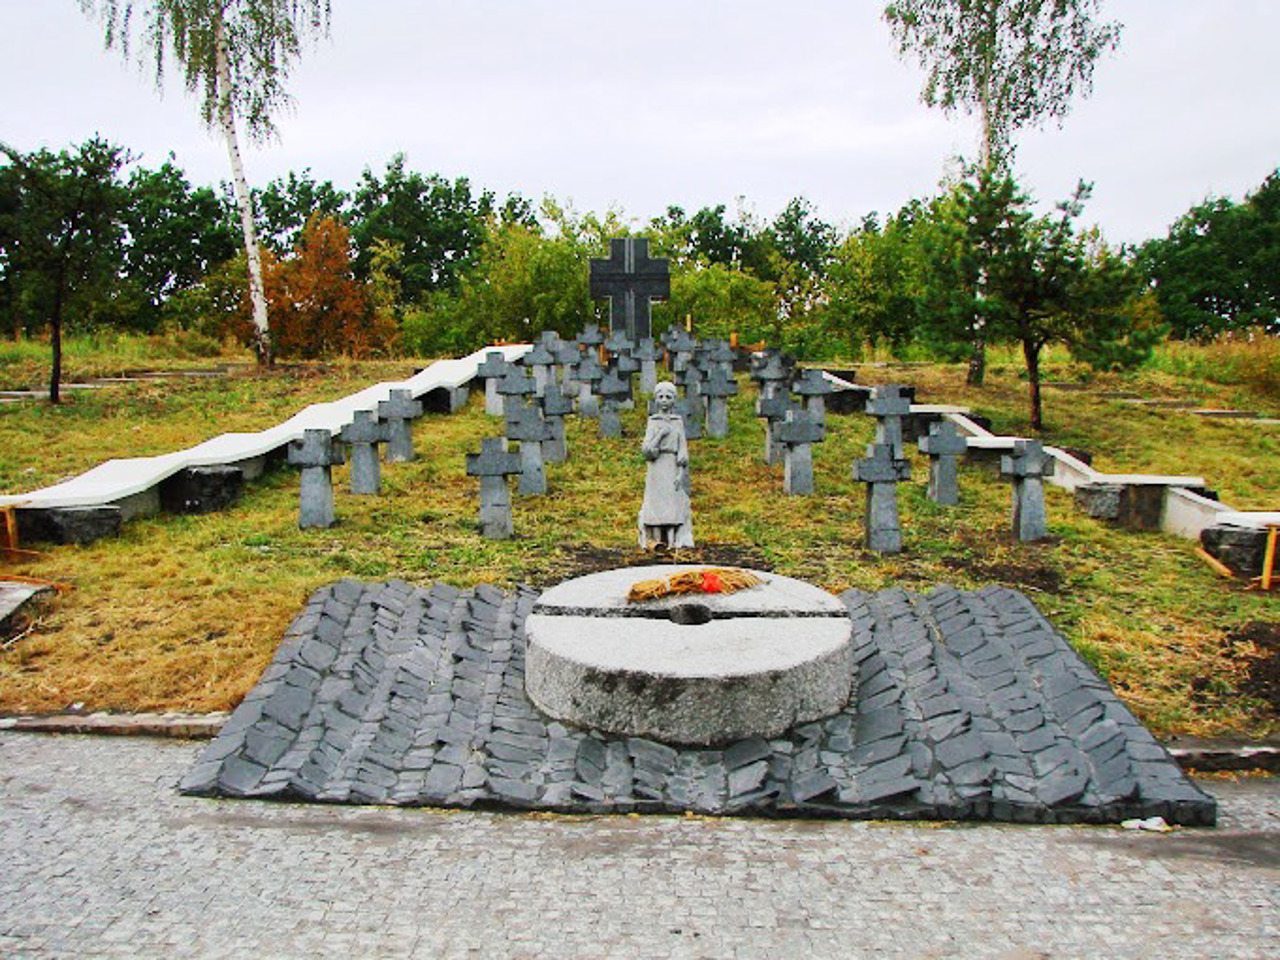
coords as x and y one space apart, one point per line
99 856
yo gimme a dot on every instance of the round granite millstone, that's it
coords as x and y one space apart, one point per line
693 669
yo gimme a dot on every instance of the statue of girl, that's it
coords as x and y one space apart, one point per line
665 515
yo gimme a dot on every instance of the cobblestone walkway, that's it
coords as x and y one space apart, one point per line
102 857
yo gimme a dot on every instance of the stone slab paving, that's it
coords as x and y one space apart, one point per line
104 858
968 705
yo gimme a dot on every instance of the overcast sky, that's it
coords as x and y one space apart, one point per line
640 105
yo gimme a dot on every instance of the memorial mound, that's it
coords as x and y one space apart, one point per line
965 705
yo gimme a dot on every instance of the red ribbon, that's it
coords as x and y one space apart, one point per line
711 582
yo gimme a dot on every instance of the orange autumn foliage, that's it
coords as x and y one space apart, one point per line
315 305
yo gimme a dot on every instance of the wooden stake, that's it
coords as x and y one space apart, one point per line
1269 558
1219 567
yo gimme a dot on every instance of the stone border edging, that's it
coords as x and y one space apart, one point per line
190 726
1206 756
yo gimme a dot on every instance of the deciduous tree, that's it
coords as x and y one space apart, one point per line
235 55
175 235
439 225
1218 269
59 235
1013 62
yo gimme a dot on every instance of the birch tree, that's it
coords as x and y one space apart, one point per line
235 56
1013 62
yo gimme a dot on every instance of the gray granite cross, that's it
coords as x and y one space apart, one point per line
717 390
1027 466
614 391
770 374
630 279
797 434
532 430
691 412
590 337
889 406
540 360
648 354
493 369
587 374
625 365
567 354
555 407
812 384
618 342
881 471
514 387
363 434
773 410
493 464
316 453
944 446
399 411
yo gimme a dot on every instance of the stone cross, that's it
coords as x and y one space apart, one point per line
567 354
813 385
493 464
681 346
721 355
717 390
773 409
1027 466
590 337
618 342
514 387
648 355
797 434
316 453
691 413
529 427
399 411
944 446
629 278
626 366
364 433
588 373
694 412
493 369
770 374
540 360
889 406
691 379
555 407
613 391
881 471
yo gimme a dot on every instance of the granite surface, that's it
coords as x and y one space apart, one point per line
969 706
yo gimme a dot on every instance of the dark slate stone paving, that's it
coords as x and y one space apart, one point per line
969 705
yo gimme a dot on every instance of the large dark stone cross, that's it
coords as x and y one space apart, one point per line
630 279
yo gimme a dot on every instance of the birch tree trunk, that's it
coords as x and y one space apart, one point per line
226 118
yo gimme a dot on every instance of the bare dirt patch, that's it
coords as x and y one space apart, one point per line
1029 575
1262 675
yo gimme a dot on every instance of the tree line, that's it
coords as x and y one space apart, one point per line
417 263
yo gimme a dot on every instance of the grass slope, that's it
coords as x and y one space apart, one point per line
184 612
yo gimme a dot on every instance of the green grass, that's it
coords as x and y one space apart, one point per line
184 612
24 364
